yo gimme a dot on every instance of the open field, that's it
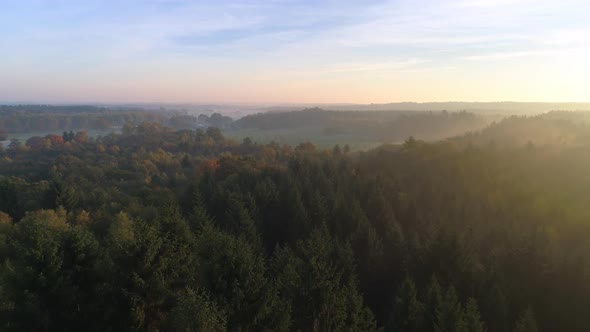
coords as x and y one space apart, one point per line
294 136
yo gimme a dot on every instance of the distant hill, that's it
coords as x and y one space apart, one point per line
475 107
558 128
375 126
240 110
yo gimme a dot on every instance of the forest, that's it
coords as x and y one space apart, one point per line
50 118
160 229
353 127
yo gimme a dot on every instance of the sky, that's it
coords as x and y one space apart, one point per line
294 51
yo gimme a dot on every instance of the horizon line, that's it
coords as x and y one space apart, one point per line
197 103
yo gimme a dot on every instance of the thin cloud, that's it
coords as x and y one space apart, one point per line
221 40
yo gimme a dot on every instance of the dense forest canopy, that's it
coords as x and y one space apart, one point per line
162 229
557 128
518 108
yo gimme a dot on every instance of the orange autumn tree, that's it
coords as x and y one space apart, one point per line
55 139
209 165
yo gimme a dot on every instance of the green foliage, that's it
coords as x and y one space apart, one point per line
195 312
449 313
233 273
319 278
337 127
471 318
526 322
158 229
53 274
408 311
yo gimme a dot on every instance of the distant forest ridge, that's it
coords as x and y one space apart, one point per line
44 118
239 110
477 107
367 128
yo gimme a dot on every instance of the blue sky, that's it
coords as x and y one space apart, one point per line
294 51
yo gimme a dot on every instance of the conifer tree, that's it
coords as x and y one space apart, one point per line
526 322
195 312
408 311
449 314
471 318
432 302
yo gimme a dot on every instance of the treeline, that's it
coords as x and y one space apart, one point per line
46 118
43 109
156 229
380 126
557 128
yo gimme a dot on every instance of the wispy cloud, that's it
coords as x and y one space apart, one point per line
290 39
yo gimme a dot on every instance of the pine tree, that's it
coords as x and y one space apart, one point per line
432 302
319 276
449 314
196 210
63 195
172 222
336 151
238 221
471 318
526 322
495 309
232 271
408 311
194 312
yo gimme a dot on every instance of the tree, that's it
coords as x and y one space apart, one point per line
54 276
203 118
171 221
247 141
55 139
38 143
154 267
319 279
471 318
81 137
306 147
195 312
128 129
68 137
62 194
432 302
495 309
6 228
336 151
408 311
526 322
232 272
215 134
121 234
219 121
449 314
346 149
195 209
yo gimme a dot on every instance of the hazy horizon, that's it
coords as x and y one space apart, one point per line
295 52
277 104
